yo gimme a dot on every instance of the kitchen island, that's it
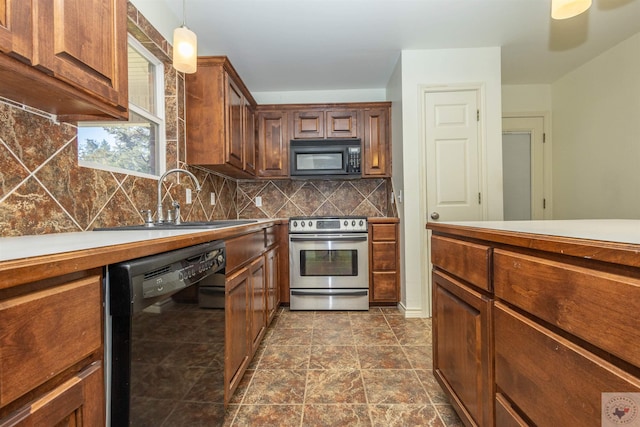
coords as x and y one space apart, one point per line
535 322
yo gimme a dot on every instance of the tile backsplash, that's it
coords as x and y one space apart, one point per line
44 190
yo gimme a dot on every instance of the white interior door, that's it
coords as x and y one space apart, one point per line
452 156
523 168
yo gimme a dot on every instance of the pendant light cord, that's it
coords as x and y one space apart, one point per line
184 13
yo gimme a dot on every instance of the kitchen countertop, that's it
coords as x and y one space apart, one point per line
606 230
608 240
30 258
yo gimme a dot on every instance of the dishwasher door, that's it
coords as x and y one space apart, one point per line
164 350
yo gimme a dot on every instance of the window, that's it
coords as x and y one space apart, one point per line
137 146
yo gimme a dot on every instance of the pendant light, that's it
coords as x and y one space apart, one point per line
563 9
185 46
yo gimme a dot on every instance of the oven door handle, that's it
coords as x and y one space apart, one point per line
333 294
329 238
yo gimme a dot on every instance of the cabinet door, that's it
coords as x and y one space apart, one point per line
16 28
258 302
376 145
308 124
84 42
234 124
272 272
384 284
462 348
75 403
273 144
250 145
342 124
237 349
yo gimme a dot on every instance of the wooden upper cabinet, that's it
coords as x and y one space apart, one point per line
83 48
376 143
235 124
308 124
220 135
273 144
16 28
66 57
250 136
342 123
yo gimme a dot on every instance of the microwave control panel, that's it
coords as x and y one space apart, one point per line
353 160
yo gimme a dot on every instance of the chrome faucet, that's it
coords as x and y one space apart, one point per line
164 175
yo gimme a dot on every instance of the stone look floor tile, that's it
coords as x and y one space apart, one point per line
335 386
405 416
335 415
277 386
285 357
382 357
391 386
341 369
334 357
268 415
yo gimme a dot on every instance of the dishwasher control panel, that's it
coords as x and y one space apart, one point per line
180 274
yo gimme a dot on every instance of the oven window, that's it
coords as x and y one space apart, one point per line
329 262
326 161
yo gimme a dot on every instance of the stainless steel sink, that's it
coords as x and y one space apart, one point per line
184 225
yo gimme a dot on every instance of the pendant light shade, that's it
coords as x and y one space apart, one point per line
185 50
563 9
185 46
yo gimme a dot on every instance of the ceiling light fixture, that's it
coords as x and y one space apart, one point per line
185 46
563 9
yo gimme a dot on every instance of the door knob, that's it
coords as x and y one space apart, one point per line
435 215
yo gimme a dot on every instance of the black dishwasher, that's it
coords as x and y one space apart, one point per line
164 347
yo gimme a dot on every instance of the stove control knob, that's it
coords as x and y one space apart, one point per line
361 223
310 224
295 224
302 223
346 223
353 223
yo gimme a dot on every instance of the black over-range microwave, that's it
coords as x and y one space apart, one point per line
325 158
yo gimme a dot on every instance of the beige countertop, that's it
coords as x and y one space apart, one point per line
606 230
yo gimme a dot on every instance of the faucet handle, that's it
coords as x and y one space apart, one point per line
148 217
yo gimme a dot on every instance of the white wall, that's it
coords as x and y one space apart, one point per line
526 98
453 67
596 137
320 96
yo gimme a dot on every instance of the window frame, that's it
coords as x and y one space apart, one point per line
159 118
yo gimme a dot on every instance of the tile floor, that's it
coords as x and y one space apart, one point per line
342 369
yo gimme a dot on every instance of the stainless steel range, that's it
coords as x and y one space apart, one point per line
329 263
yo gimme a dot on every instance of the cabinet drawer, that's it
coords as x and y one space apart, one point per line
46 332
383 256
468 261
550 379
589 304
243 249
383 232
506 416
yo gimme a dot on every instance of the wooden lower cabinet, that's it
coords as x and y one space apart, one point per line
384 261
251 299
462 355
537 369
538 330
258 295
272 262
51 353
237 339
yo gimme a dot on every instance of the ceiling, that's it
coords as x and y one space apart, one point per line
300 45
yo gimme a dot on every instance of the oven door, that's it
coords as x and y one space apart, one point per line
329 261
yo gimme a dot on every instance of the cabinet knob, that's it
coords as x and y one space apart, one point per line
435 215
